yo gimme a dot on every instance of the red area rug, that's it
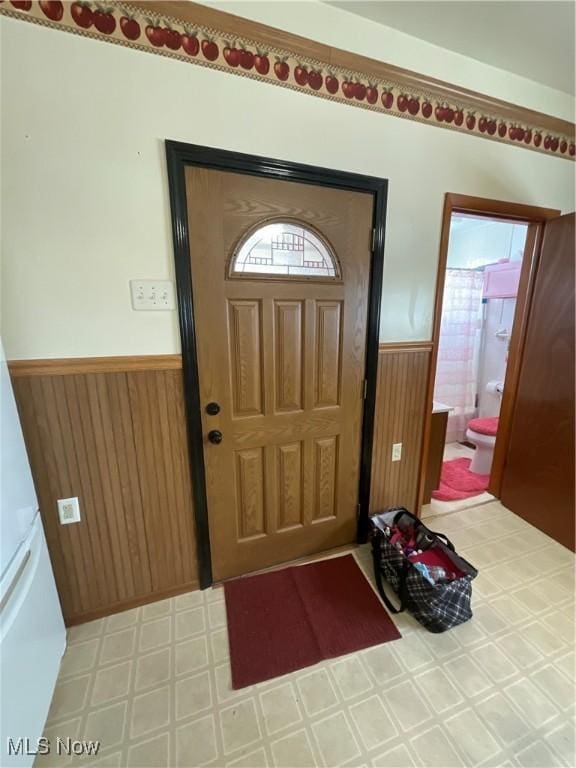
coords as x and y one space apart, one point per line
289 619
457 482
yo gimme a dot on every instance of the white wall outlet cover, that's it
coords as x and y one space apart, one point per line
396 451
152 294
69 510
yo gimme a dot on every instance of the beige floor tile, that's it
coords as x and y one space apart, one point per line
335 740
118 646
438 690
122 620
293 751
85 631
69 697
256 759
157 610
151 753
79 657
409 710
193 695
399 757
351 677
467 675
190 622
532 703
220 648
240 727
373 722
317 692
434 749
555 686
191 655
538 755
495 663
563 741
156 633
111 683
510 609
217 614
520 651
196 743
471 736
153 669
107 725
150 711
280 708
504 721
382 664
154 682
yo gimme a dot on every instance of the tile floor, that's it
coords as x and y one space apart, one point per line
153 684
455 451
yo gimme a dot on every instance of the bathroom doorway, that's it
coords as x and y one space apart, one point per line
487 253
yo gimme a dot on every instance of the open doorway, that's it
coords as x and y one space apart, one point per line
488 252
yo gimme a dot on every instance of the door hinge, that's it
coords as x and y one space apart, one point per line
365 389
373 239
358 509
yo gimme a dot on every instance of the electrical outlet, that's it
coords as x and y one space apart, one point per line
396 451
152 294
69 510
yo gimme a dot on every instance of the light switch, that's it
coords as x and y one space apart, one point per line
396 451
152 294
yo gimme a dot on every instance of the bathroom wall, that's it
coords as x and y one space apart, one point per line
498 318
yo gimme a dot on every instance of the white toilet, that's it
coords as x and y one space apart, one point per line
482 433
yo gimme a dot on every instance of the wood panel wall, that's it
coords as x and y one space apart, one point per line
403 372
116 439
112 432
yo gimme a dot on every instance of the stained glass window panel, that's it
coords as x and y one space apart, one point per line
285 249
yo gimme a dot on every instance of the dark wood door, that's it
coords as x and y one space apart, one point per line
538 480
280 275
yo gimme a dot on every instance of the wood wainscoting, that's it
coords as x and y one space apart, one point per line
111 431
403 371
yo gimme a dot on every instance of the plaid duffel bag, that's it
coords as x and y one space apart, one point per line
431 580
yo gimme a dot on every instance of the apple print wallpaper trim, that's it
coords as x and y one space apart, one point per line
150 31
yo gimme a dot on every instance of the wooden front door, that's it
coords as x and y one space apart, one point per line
538 479
280 277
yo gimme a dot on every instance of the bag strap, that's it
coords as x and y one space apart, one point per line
419 524
380 583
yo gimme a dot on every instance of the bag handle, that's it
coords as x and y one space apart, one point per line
402 593
419 524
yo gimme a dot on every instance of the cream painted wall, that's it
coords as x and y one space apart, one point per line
85 201
333 26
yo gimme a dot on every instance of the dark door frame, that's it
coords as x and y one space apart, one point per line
178 156
535 217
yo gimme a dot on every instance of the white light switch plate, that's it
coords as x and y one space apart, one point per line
69 510
396 451
152 294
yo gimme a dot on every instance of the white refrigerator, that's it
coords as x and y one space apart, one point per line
32 633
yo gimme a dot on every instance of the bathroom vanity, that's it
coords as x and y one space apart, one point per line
435 448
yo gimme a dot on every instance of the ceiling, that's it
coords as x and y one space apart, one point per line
531 38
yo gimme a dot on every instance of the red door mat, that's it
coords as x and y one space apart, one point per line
289 619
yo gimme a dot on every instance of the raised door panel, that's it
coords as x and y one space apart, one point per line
328 353
325 474
245 331
288 349
250 493
290 486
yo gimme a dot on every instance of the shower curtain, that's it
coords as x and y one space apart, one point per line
458 349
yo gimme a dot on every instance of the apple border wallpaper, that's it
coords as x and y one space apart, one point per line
167 35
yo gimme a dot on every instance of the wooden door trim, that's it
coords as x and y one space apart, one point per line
536 218
180 155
